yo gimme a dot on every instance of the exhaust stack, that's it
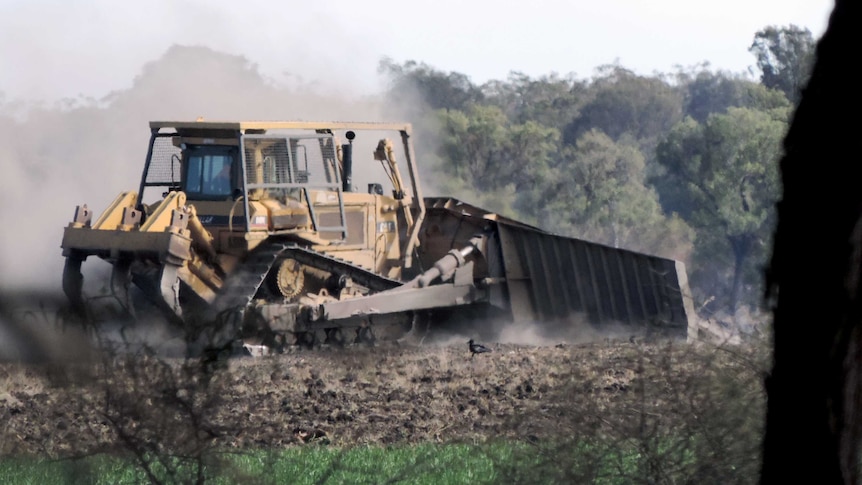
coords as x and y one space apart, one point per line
347 163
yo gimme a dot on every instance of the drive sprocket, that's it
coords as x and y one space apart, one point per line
290 278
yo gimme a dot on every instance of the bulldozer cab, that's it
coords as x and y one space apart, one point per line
250 181
227 172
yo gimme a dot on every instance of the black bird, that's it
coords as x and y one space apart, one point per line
477 348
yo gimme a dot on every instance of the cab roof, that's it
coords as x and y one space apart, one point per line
258 126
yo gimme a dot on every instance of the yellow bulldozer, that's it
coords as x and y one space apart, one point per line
255 231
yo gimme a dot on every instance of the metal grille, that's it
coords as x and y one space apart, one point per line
293 166
272 162
164 168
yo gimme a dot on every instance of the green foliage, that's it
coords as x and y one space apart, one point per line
533 149
762 98
710 92
548 100
583 459
621 102
482 148
600 194
472 143
785 57
502 200
423 464
414 82
725 184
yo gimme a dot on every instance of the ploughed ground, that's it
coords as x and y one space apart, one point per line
385 395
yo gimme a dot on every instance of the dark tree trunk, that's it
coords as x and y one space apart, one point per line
741 246
814 410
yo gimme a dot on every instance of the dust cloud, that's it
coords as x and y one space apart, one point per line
74 126
92 47
573 330
32 330
85 151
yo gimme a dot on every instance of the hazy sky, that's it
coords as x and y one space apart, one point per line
52 49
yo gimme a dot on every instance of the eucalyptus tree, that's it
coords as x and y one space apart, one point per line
620 102
550 100
600 194
725 172
785 56
420 86
483 153
708 92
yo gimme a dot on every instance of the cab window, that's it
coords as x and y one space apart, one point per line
209 172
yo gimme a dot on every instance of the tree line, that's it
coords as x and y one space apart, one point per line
682 164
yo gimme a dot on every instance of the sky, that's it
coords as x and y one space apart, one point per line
55 49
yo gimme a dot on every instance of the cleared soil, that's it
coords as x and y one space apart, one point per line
360 395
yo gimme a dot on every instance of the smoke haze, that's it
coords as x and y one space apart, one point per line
82 151
53 49
93 47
